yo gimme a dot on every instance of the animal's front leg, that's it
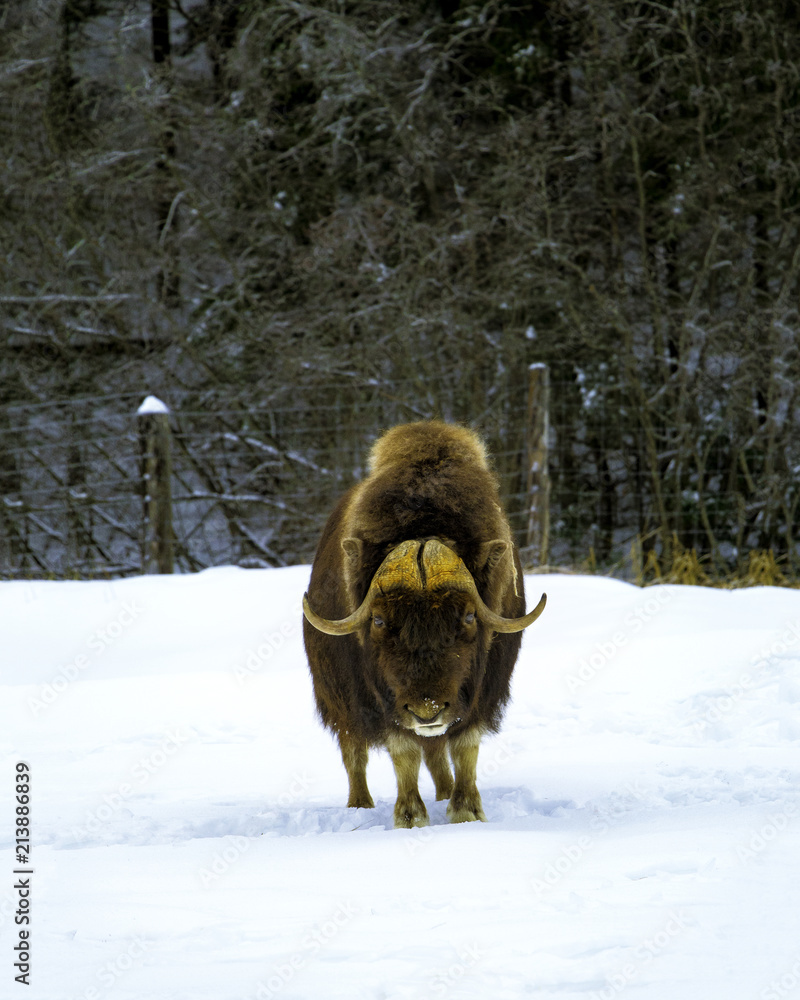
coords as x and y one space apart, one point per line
435 752
354 755
409 810
465 802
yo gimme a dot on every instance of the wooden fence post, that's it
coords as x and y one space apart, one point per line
155 465
537 539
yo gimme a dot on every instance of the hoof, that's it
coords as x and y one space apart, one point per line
466 810
409 814
406 821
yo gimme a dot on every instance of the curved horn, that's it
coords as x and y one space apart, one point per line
444 565
500 624
398 569
342 626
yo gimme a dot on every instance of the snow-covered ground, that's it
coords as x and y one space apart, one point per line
190 838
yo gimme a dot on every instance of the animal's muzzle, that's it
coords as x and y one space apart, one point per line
428 717
427 713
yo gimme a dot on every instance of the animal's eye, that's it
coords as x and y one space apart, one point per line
469 618
378 621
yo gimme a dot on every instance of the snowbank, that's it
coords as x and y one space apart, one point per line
190 838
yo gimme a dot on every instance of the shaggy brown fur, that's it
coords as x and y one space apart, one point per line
420 650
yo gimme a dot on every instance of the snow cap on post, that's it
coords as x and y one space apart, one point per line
152 404
155 470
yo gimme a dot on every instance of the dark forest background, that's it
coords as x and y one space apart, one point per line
299 222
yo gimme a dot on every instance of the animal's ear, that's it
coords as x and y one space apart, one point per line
490 553
352 549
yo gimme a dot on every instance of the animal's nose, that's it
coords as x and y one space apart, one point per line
427 711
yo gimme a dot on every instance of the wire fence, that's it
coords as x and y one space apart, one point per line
253 485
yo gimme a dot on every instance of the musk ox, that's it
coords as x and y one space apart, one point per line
413 616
